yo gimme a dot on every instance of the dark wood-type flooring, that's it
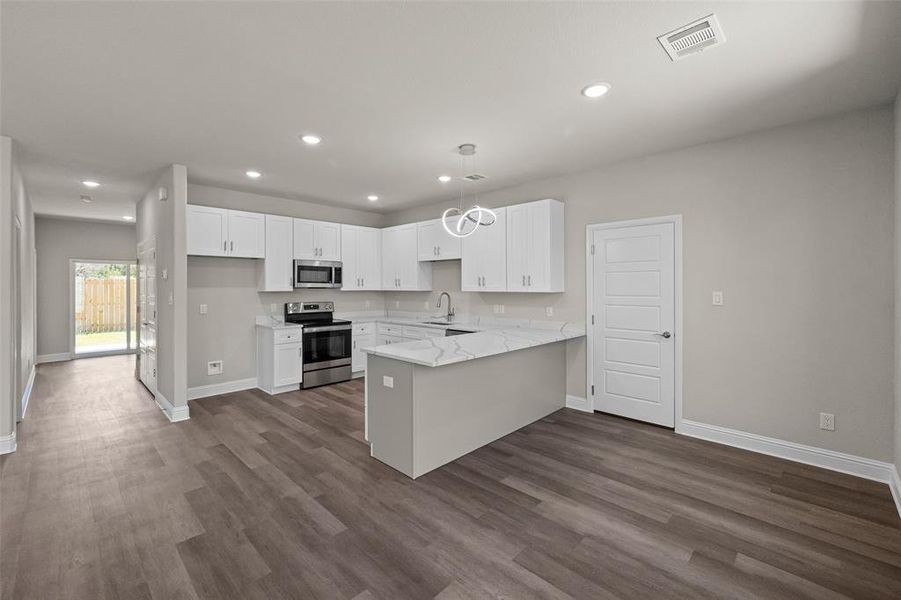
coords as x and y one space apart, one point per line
261 497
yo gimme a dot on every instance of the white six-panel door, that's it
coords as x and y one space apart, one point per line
633 336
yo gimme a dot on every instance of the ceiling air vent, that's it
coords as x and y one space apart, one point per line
475 177
693 38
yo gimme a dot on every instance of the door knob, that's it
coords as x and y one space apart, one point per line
665 335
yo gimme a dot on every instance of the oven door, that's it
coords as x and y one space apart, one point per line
317 274
326 346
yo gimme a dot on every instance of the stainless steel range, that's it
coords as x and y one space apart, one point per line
326 342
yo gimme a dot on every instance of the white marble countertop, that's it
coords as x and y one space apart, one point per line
270 323
439 351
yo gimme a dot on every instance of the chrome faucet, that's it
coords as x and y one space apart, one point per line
450 309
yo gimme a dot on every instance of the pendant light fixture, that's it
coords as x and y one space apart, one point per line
462 223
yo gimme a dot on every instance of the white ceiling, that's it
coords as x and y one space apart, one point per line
114 91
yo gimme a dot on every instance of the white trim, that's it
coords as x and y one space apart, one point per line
52 358
808 455
214 389
578 403
676 220
173 413
895 485
26 393
8 443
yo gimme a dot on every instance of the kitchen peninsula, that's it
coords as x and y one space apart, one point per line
429 402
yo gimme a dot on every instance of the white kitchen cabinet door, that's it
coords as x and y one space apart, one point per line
207 230
277 273
317 240
327 238
361 253
288 363
358 357
304 242
535 247
401 269
434 243
484 264
246 234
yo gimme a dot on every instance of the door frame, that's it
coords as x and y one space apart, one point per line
128 349
590 229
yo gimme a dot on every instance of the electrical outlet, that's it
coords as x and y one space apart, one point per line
502 308
397 304
717 298
214 367
368 304
549 311
203 309
274 309
387 381
425 304
827 421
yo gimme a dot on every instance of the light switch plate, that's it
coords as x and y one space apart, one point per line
827 421
717 298
388 381
203 309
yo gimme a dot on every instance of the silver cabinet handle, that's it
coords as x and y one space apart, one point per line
232 246
529 277
225 245
665 335
524 280
300 352
439 250
355 344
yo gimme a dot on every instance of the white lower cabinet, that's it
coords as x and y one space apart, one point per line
279 359
363 336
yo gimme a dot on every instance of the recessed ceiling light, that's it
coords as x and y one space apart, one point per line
444 178
372 197
86 199
90 184
128 217
310 139
595 90
253 174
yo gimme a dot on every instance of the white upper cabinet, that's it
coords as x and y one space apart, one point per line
222 232
246 234
207 230
361 251
484 265
435 243
278 266
317 240
401 269
535 247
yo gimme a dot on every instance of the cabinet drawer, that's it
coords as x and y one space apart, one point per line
393 339
363 328
389 329
419 333
288 336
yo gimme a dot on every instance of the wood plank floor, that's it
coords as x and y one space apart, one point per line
261 497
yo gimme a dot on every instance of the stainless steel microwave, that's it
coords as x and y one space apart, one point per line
317 274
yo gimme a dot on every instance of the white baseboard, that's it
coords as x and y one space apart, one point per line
578 403
808 455
173 413
895 486
49 358
8 443
214 389
26 393
358 374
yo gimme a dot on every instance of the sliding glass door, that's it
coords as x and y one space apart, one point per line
103 307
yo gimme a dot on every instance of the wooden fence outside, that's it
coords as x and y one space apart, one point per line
101 304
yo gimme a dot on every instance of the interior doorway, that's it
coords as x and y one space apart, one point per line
103 307
634 287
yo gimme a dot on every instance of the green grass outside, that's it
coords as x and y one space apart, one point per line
106 338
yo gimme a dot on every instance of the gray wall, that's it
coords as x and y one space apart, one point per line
17 319
58 241
898 283
795 224
165 221
228 286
